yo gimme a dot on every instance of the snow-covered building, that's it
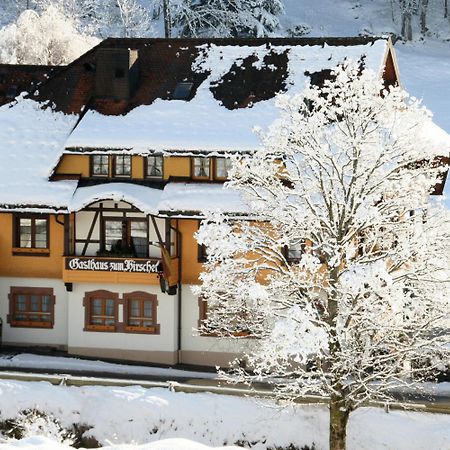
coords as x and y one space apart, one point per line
107 167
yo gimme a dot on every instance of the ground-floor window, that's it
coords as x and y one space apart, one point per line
237 323
140 312
137 312
101 311
32 307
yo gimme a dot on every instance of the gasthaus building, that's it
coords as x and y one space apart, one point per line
107 166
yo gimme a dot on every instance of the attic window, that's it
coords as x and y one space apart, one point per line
182 91
119 73
11 92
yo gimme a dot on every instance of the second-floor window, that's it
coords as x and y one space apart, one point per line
125 237
154 167
100 165
210 168
294 252
122 166
31 232
200 168
221 168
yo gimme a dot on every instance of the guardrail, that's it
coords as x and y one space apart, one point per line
207 385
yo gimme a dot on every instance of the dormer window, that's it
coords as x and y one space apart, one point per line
200 168
154 168
182 91
222 167
99 165
122 166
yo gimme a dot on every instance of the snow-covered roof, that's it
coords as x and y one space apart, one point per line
31 141
199 198
204 123
175 199
33 136
142 197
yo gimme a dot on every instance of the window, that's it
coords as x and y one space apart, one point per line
101 312
11 92
202 254
125 237
140 312
294 252
99 165
154 167
200 168
31 234
206 329
221 168
182 91
31 307
122 166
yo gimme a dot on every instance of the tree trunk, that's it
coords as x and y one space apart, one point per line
338 423
406 26
423 16
167 19
445 8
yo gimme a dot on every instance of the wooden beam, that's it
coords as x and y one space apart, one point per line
66 235
91 230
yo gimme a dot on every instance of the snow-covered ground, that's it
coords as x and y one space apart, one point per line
43 443
136 416
30 361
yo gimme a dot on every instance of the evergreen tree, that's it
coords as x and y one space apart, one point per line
226 18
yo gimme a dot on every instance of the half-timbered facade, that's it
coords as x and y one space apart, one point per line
109 164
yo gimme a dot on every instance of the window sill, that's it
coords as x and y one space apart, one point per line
213 334
101 328
28 324
19 251
145 330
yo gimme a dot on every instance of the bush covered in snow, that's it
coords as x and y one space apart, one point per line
48 37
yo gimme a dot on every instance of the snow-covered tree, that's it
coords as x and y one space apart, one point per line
226 18
135 19
48 37
105 18
339 271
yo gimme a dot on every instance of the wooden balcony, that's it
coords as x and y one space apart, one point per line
94 269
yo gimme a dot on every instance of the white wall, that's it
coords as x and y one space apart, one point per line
70 321
39 336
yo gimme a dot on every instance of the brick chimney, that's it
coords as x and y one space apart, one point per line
117 73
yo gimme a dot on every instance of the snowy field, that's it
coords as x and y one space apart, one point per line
154 417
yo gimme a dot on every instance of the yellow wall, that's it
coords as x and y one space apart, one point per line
31 266
137 167
74 165
177 166
174 166
52 266
190 268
